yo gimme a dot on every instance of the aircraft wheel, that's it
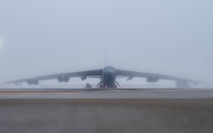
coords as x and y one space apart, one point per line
88 86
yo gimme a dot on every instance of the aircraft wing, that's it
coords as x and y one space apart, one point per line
61 77
151 77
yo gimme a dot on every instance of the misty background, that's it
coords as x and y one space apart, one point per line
46 37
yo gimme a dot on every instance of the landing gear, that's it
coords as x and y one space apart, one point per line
101 85
109 85
88 86
117 85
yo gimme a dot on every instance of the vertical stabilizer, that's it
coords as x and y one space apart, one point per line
105 57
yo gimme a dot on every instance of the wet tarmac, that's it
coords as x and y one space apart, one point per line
61 93
100 110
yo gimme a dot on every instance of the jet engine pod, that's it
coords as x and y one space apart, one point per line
60 79
63 78
83 78
29 82
152 78
33 81
66 78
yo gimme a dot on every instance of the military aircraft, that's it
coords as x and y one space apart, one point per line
107 77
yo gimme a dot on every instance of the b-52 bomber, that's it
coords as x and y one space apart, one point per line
107 77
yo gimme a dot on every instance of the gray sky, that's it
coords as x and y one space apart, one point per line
41 37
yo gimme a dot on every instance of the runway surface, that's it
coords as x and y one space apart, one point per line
61 93
101 110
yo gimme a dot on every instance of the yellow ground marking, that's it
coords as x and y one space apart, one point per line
14 93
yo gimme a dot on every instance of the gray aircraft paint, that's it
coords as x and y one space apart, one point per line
45 37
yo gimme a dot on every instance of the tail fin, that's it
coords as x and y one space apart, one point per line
105 58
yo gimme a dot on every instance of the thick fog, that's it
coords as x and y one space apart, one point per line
40 37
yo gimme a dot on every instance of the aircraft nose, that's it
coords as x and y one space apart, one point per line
109 74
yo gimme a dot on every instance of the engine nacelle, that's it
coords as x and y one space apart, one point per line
60 79
66 78
63 78
29 82
152 78
83 78
33 81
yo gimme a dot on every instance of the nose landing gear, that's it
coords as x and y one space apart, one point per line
112 85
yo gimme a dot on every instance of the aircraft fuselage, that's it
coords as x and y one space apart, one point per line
108 78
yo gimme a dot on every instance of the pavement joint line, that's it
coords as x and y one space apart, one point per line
15 93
